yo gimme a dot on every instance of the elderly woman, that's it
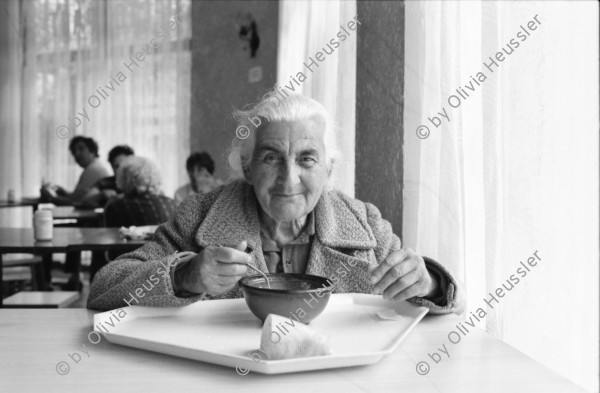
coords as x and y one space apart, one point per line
281 209
142 202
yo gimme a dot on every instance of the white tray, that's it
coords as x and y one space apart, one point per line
225 332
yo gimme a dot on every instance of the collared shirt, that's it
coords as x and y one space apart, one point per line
293 257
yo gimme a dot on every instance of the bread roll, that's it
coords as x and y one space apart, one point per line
285 338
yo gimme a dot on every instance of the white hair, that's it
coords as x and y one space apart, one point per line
138 176
274 107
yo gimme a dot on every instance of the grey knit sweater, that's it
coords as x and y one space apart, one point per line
350 237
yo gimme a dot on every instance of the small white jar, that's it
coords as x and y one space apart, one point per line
42 225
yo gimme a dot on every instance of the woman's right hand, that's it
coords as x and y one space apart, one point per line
215 270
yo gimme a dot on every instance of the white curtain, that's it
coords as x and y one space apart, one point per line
513 171
305 27
11 93
117 71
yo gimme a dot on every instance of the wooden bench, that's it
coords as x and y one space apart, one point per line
57 299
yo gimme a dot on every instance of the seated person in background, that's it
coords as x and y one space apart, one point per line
142 202
106 188
200 168
85 153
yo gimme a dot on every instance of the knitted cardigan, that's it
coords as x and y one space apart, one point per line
350 237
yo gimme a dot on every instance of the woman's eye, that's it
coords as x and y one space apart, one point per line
308 161
270 158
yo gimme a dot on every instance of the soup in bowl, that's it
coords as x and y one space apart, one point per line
298 296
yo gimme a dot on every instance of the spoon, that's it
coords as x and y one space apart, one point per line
261 273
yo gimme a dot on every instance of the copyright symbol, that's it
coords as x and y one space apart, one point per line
62 368
423 132
62 132
241 371
242 132
422 368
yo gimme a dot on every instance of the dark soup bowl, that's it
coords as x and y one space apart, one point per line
297 296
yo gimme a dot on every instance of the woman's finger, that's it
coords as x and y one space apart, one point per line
412 291
402 283
394 273
393 259
229 269
225 281
228 254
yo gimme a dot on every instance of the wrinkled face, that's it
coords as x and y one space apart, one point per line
116 162
289 168
82 155
200 176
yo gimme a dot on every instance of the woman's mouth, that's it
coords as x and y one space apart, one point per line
285 195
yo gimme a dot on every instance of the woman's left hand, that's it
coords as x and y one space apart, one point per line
402 275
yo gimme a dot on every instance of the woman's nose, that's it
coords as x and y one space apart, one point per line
289 174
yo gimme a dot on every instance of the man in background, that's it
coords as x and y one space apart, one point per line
85 153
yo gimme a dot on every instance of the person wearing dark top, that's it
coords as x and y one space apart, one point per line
147 209
142 202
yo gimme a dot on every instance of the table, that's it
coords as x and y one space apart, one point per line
20 240
70 212
34 342
26 299
33 202
59 212
82 217
67 240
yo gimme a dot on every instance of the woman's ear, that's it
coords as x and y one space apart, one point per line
330 168
247 174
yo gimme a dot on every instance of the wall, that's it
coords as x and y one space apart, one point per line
379 107
220 68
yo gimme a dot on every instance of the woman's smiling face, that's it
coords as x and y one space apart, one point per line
288 169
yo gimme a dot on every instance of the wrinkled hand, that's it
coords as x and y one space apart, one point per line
402 275
214 270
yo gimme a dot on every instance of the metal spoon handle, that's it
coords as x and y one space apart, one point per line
261 273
